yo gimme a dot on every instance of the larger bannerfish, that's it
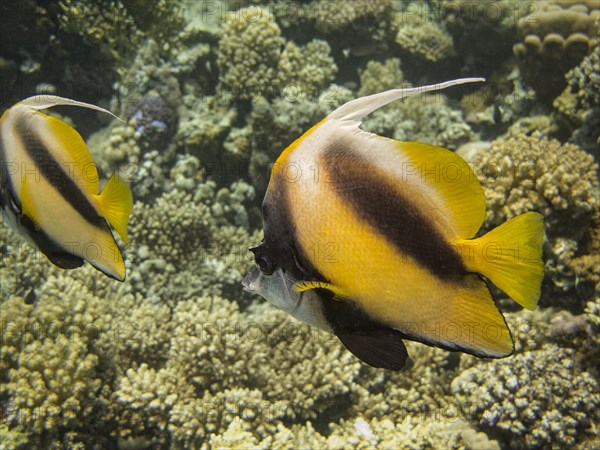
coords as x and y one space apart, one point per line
49 191
373 239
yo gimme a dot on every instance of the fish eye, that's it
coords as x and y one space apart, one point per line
264 264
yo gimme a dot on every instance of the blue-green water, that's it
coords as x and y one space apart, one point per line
210 93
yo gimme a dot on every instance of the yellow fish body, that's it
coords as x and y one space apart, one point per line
382 232
50 189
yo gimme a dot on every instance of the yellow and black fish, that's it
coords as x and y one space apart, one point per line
372 239
50 189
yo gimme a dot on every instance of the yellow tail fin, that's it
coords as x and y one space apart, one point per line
510 255
116 203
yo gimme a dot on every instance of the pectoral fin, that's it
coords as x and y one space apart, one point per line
338 294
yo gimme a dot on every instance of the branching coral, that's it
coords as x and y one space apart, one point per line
529 173
104 24
422 119
584 80
559 181
302 71
53 367
204 126
425 39
118 27
538 398
210 251
583 91
253 59
378 77
362 17
224 367
249 52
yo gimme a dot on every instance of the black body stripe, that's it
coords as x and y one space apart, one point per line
54 252
281 247
381 205
280 244
52 171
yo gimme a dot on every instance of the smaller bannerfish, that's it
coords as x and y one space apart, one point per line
49 189
375 240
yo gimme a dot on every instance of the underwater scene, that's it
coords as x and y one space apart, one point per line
362 224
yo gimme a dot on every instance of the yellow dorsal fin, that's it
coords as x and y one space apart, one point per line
451 176
511 257
27 206
115 204
81 165
338 294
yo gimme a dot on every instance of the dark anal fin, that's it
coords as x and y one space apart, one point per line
379 348
65 260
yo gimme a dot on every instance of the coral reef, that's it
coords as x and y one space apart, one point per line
303 70
177 356
154 120
524 398
528 173
561 182
360 17
249 52
119 27
483 32
273 126
378 77
106 25
584 80
554 39
255 60
425 39
422 119
583 102
208 256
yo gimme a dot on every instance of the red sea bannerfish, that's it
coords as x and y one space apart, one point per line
372 239
50 189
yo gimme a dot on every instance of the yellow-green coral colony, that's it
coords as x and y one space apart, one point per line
375 249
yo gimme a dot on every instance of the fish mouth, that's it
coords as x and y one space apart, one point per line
249 280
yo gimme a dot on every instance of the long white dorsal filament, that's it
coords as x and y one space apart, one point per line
39 102
356 110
